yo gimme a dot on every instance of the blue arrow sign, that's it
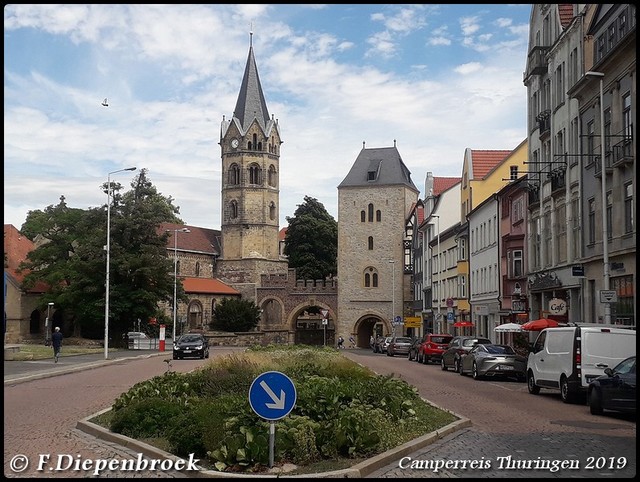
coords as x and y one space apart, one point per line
272 395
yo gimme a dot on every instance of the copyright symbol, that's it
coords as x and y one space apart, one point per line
19 463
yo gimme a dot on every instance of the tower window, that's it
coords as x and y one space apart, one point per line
233 175
255 174
233 209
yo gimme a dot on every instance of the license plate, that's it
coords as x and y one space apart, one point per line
187 351
505 367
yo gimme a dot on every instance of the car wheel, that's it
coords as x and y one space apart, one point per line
595 402
456 365
443 366
531 384
474 372
567 395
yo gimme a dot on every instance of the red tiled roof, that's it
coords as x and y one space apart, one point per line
16 248
282 234
441 184
208 285
483 161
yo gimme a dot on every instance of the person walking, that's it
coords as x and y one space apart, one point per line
340 343
56 342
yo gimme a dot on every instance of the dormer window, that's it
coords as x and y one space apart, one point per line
371 176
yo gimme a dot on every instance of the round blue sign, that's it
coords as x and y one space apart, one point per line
272 395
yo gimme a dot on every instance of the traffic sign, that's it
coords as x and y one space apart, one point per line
608 296
450 316
398 319
272 395
324 313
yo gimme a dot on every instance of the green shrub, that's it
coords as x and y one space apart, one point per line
170 386
145 418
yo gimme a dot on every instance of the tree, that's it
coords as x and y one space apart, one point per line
235 314
70 258
311 242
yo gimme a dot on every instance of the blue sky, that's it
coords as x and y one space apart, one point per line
437 79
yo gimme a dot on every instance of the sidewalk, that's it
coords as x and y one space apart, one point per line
23 371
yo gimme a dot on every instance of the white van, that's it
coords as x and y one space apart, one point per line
568 358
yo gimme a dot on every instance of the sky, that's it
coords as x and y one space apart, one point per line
434 79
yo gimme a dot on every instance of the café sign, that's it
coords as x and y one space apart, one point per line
558 306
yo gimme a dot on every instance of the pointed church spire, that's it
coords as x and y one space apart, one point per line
251 103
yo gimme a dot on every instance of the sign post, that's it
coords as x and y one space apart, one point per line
325 322
272 396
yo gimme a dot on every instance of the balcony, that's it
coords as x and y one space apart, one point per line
622 153
558 181
536 62
608 157
544 123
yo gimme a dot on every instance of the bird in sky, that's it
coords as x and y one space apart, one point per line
104 103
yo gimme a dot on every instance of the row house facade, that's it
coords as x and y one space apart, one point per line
580 80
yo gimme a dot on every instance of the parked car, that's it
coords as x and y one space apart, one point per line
433 347
382 344
399 345
494 361
459 345
615 390
136 340
191 345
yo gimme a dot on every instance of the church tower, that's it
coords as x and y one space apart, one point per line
250 148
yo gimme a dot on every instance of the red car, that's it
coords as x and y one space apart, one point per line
433 347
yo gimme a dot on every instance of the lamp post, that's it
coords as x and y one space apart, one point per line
603 184
393 294
107 248
438 270
47 338
175 277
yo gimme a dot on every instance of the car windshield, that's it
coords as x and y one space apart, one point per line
473 341
190 338
403 340
500 349
440 339
626 366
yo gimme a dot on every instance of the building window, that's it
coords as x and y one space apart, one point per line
233 209
592 221
517 210
272 210
197 268
462 287
561 232
624 309
254 174
370 208
548 236
515 267
370 243
591 134
513 173
462 251
370 278
575 227
626 116
363 216
371 175
233 176
628 208
378 216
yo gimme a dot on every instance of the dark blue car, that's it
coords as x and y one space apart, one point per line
615 390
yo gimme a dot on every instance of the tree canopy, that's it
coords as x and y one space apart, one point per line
311 242
235 314
70 258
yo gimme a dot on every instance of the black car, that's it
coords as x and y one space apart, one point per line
191 345
615 390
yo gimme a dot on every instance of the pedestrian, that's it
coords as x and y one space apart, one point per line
372 342
56 342
340 342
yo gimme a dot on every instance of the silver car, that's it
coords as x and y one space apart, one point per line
494 361
399 345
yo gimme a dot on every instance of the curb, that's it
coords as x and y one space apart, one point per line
360 470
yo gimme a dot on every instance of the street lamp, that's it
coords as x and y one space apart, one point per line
393 292
605 237
107 248
175 276
46 324
439 328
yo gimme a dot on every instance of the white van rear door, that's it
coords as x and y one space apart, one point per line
604 348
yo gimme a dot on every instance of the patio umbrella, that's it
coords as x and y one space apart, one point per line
508 328
462 324
541 324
